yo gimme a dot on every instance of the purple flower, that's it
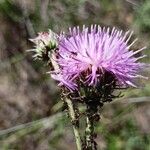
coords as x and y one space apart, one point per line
88 53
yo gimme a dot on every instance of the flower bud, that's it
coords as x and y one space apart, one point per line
44 43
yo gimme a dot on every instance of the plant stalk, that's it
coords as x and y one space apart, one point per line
90 143
88 134
92 117
75 123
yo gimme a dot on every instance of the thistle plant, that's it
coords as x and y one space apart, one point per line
89 64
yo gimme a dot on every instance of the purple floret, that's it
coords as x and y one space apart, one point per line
90 52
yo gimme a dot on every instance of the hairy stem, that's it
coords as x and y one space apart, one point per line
75 122
89 133
92 117
71 109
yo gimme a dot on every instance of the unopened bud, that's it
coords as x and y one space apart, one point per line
44 43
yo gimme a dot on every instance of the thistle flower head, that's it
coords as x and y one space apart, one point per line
89 54
43 42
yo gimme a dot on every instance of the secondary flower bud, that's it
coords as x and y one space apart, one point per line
44 43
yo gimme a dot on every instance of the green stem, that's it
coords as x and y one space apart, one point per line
92 117
74 123
90 145
71 109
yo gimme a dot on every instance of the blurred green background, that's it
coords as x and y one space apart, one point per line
31 117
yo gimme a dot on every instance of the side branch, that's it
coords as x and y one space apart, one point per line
75 122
